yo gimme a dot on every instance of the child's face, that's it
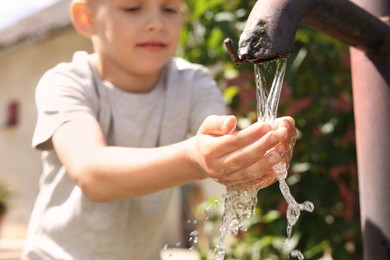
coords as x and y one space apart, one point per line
136 36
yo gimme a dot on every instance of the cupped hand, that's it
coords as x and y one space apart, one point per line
244 159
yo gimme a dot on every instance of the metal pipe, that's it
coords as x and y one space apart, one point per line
272 24
371 93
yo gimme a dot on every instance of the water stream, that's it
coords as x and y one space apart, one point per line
240 205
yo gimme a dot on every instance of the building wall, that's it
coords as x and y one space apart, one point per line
20 69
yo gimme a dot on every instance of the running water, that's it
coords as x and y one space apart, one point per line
241 205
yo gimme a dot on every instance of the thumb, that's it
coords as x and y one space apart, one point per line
218 125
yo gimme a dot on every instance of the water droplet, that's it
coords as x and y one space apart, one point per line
307 206
298 254
194 233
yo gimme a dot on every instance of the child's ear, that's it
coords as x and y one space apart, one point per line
81 18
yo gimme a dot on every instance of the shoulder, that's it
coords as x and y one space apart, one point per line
67 85
77 68
73 75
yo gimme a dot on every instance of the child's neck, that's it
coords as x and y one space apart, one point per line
128 82
136 84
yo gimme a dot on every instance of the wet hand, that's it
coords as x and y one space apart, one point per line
243 159
284 127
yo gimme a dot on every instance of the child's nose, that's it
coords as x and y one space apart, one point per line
156 22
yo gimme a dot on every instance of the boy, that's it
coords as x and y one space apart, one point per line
112 128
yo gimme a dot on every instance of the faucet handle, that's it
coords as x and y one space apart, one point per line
232 52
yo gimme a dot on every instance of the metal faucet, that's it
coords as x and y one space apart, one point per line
364 25
272 24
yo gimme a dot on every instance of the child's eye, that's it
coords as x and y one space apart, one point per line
132 9
170 9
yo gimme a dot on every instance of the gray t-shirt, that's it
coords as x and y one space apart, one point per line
67 225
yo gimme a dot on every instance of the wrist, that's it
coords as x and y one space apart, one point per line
192 157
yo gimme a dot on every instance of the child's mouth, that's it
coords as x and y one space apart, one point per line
152 46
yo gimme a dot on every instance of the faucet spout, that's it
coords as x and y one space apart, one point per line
272 24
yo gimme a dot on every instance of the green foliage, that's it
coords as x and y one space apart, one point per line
317 94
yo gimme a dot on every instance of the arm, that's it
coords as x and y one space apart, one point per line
107 173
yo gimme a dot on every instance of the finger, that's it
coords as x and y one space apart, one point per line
218 125
285 152
255 174
285 129
239 140
285 121
248 155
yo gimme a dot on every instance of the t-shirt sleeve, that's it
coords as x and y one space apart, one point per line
207 99
61 97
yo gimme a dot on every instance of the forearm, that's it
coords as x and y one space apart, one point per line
234 158
110 173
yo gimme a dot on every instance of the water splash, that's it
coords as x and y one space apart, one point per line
294 208
194 239
241 205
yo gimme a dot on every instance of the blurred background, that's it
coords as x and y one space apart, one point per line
316 92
